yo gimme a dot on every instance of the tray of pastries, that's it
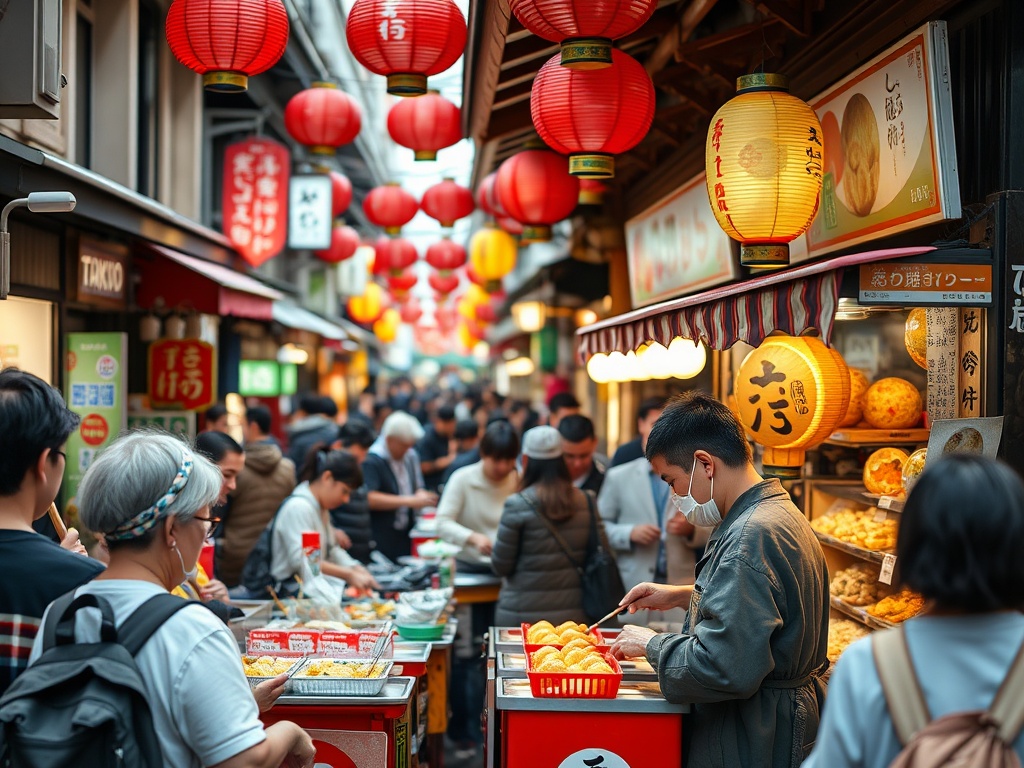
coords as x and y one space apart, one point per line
341 677
842 632
578 670
871 529
260 668
897 607
543 633
859 585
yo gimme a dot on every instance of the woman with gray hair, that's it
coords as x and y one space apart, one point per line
149 496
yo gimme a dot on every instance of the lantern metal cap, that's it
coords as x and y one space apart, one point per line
226 82
592 165
762 81
323 84
424 154
407 84
586 53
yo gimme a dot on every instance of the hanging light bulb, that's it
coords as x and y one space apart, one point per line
688 359
598 369
656 360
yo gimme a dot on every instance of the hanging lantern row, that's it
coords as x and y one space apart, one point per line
764 161
400 284
390 207
393 255
682 359
445 256
367 308
492 253
425 124
407 41
323 118
585 28
227 42
592 115
447 202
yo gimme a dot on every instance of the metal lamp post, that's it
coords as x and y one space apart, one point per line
37 202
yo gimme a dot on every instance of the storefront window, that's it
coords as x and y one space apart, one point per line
26 336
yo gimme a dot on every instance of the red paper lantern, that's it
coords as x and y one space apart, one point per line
425 124
474 278
390 207
411 312
486 313
400 284
406 40
535 188
344 242
585 28
341 193
444 284
592 115
393 256
323 118
487 197
592 192
510 225
445 255
447 202
227 41
447 317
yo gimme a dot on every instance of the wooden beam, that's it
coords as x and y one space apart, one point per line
513 95
678 80
797 20
490 19
528 49
666 131
692 17
525 71
514 117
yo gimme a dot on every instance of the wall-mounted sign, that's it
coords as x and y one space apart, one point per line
266 378
182 374
255 198
890 157
677 247
894 282
102 273
309 212
96 383
181 423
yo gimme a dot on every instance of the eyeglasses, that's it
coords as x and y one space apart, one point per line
212 522
64 455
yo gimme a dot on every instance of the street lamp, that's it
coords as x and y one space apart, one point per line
37 202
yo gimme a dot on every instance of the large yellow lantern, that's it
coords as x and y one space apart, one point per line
368 308
492 252
791 392
467 337
764 162
386 328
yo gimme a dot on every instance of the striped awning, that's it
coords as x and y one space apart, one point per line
794 301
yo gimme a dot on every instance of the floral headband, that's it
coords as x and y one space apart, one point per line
142 522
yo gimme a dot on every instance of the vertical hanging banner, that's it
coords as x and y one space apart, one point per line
96 382
943 337
254 202
971 395
310 212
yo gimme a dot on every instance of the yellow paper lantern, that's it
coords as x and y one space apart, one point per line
916 336
792 392
386 328
764 162
467 337
368 308
492 252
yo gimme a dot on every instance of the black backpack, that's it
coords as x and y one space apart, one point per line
84 704
256 576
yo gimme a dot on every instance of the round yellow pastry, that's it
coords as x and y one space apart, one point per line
580 642
858 388
913 467
915 336
544 653
575 656
883 471
568 625
892 403
571 634
551 664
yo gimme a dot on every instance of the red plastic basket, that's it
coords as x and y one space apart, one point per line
575 685
601 645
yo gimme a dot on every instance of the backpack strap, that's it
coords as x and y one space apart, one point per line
59 628
1007 708
148 618
907 706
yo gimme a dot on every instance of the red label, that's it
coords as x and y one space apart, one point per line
72 361
94 429
283 642
255 198
181 374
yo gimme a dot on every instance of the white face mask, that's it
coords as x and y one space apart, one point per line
705 515
189 575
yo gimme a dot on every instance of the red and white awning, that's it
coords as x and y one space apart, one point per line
794 301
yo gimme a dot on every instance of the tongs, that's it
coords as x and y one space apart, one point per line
379 646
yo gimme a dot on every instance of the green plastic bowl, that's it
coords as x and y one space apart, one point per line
421 631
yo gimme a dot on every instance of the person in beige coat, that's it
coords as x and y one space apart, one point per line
266 481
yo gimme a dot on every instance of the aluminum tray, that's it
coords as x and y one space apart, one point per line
513 693
254 681
340 686
396 691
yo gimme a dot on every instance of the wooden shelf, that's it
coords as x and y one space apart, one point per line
872 556
855 438
859 614
857 493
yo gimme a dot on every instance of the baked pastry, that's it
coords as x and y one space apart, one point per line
913 467
858 585
858 388
265 666
898 607
892 403
915 336
577 659
842 632
858 528
883 471
860 154
347 669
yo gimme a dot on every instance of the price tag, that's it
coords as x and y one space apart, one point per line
888 566
881 516
887 502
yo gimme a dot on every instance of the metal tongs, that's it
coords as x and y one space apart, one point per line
379 646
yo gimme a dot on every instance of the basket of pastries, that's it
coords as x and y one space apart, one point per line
544 633
577 670
341 677
858 585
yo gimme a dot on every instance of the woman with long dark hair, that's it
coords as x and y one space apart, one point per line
542 535
328 479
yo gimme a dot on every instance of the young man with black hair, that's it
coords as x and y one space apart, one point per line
215 419
437 449
561 405
648 413
752 652
313 423
34 426
579 441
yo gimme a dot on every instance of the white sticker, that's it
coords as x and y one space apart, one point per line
887 502
881 516
593 758
888 565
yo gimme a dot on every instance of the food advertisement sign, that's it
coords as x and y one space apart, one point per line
677 247
181 374
255 198
890 157
902 283
96 384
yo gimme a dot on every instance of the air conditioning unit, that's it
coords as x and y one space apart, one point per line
30 58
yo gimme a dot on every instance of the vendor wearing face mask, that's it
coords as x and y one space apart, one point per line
756 629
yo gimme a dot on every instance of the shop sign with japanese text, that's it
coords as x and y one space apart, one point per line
181 374
309 212
890 157
102 273
677 248
894 282
255 198
96 383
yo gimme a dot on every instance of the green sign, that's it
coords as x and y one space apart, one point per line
96 382
182 423
267 378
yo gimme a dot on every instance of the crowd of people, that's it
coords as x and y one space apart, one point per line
727 586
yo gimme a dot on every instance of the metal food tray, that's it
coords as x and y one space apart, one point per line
254 681
340 686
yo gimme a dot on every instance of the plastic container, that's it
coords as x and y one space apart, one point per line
575 685
420 631
340 686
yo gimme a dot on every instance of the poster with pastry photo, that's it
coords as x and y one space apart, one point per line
977 436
